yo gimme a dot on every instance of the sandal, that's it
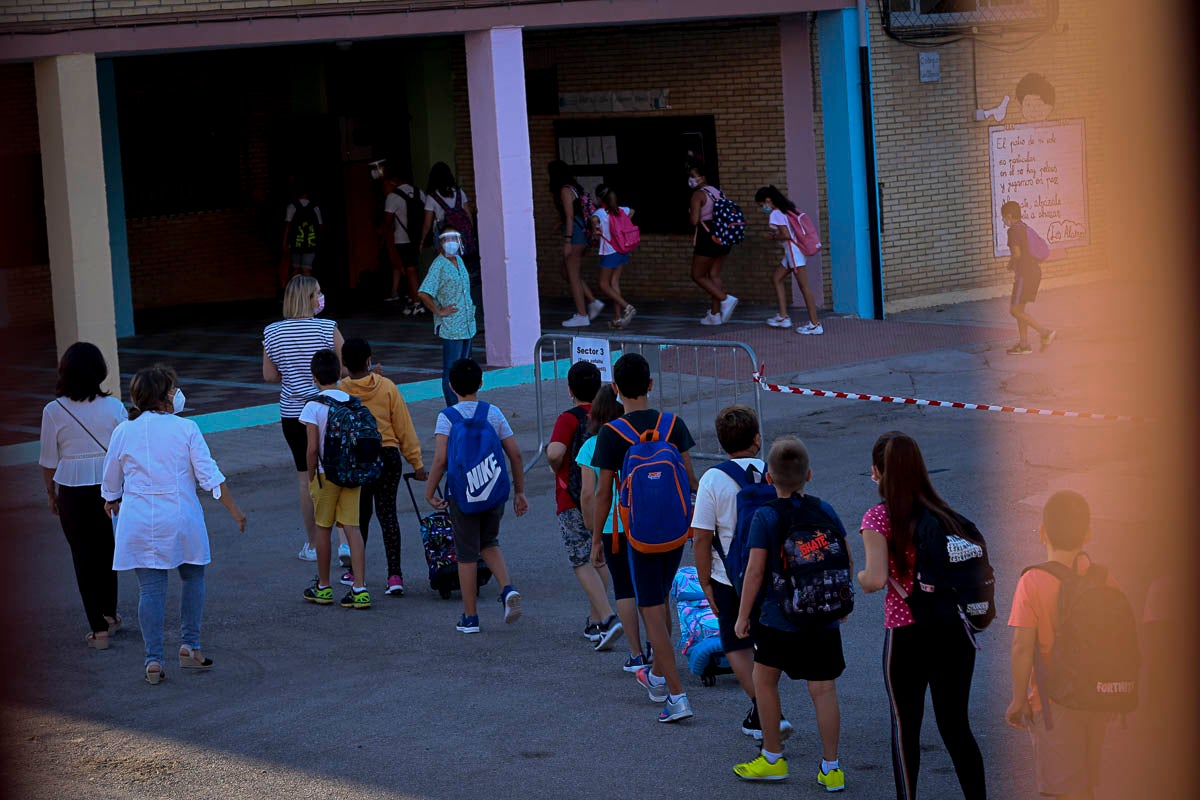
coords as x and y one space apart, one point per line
114 623
97 642
191 659
154 673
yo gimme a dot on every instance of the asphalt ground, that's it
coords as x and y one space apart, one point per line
394 703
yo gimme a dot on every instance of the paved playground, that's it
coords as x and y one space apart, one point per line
309 701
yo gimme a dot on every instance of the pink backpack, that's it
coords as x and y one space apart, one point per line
804 232
625 236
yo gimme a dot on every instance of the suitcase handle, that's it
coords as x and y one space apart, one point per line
408 479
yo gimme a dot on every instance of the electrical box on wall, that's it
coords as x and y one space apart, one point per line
930 64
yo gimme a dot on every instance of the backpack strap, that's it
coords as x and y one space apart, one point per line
453 415
665 425
481 410
622 428
739 475
80 424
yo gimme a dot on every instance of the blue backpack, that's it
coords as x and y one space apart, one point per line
476 474
655 498
753 493
352 447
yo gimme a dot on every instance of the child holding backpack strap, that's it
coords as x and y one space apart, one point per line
782 211
618 238
1076 625
799 566
472 440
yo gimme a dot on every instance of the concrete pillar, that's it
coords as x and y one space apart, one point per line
115 193
504 194
800 146
68 108
848 231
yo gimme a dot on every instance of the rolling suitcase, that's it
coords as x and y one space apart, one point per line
437 540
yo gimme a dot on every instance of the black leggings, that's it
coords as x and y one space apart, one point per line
942 659
89 532
383 493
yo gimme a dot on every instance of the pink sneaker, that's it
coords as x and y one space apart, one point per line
347 579
395 586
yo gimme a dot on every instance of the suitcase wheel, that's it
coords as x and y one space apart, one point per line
445 593
709 680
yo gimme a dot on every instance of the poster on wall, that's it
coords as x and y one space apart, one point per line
1042 166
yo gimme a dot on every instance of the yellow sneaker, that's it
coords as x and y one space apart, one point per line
833 781
762 770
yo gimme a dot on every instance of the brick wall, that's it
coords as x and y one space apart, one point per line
933 156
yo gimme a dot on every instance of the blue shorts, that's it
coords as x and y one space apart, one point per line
618 568
577 232
614 260
652 574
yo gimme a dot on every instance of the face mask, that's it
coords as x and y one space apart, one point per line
767 209
320 304
178 402
693 182
451 248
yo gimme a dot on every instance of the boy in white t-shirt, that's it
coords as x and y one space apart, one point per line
715 516
793 262
403 208
611 262
331 503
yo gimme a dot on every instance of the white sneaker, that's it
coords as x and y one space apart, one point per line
809 329
594 308
344 556
307 552
780 322
727 306
711 319
576 321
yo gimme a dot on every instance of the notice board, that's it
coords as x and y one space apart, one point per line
1042 166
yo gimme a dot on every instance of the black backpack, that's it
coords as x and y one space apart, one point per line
303 232
414 217
810 574
574 472
953 578
1094 662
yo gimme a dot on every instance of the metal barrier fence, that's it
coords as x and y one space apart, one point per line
693 378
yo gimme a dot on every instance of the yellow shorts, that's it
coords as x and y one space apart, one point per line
333 503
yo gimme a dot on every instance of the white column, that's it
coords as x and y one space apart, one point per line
504 194
68 107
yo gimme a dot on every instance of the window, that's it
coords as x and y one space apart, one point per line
952 14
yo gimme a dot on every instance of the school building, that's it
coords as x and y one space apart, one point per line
148 147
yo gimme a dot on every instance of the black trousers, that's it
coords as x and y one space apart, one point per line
382 493
89 532
940 658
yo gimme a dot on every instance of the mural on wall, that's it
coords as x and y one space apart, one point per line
1041 164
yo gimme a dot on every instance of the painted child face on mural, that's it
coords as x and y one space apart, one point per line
1036 96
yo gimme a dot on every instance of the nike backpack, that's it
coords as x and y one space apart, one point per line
476 471
351 450
655 499
953 578
728 224
1095 662
810 574
753 493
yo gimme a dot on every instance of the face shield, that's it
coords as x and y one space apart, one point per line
451 243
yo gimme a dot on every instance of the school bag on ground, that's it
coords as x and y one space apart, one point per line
458 218
352 447
655 499
699 630
414 217
728 224
1037 245
624 235
810 575
953 578
804 232
574 471
304 228
476 471
753 493
1094 662
437 540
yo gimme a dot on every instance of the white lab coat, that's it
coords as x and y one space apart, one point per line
153 465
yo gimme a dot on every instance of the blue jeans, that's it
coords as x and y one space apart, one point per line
452 350
152 607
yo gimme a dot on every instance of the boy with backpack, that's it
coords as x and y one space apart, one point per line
1026 252
344 449
1074 654
403 220
800 567
726 499
647 450
472 440
570 432
302 226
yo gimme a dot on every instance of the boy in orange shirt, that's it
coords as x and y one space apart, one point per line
1067 742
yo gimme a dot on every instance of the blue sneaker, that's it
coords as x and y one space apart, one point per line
673 712
467 624
510 598
635 663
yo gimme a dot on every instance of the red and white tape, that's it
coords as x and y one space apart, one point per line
915 401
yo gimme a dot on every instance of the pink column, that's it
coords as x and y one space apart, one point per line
504 189
800 139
